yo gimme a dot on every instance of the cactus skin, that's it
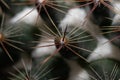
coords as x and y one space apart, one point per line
10 7
4 5
98 11
28 37
104 69
49 70
21 40
101 14
62 72
5 61
114 35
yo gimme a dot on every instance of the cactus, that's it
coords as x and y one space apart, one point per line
55 33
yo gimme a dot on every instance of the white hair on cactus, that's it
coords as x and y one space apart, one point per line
83 75
77 72
105 50
41 1
96 1
74 17
23 16
38 52
116 19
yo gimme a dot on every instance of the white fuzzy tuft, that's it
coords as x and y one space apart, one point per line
105 50
74 17
38 52
41 1
23 16
116 19
77 72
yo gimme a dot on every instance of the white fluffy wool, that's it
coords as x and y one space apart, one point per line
105 49
74 17
41 1
77 72
117 16
38 52
25 16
